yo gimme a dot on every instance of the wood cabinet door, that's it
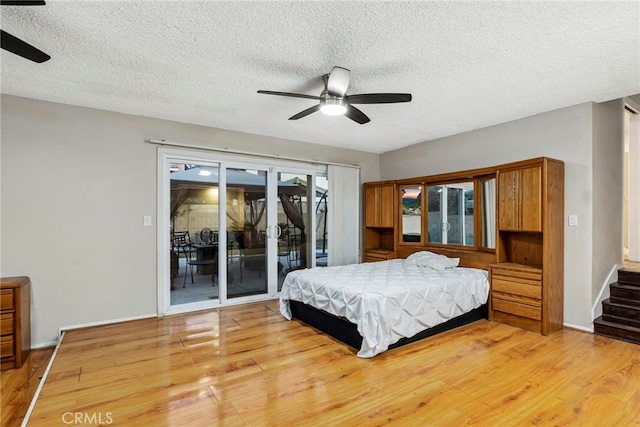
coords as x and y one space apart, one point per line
508 200
520 199
378 206
370 209
531 199
385 205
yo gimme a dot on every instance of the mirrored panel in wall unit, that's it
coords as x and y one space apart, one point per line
488 203
412 206
451 213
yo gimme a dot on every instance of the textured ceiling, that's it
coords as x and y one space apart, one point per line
467 64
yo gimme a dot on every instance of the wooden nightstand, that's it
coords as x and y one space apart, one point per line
15 321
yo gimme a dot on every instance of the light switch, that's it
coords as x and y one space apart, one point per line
573 220
147 221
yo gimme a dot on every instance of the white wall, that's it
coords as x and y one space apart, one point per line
565 134
76 183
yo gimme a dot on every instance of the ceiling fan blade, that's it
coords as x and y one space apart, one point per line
294 95
356 115
338 81
22 48
378 98
22 3
305 113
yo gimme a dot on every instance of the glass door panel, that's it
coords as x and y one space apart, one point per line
194 218
246 205
321 211
294 233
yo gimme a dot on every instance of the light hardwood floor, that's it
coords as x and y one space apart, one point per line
19 386
247 365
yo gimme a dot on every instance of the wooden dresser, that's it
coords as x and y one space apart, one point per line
15 321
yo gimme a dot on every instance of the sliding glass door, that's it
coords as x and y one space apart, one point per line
234 229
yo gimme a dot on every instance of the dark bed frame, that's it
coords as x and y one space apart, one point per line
347 332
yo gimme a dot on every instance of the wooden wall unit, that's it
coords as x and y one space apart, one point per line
379 221
528 280
15 321
526 269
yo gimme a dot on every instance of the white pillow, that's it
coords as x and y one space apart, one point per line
431 260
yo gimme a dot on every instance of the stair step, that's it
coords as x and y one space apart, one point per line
618 320
625 291
629 276
620 309
616 331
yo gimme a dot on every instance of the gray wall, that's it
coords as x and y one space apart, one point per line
608 198
571 135
75 184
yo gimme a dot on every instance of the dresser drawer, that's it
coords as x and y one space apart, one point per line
516 274
6 324
523 287
518 309
6 346
6 299
374 256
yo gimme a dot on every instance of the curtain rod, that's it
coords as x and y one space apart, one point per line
246 153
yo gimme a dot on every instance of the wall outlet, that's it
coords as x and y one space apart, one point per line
573 220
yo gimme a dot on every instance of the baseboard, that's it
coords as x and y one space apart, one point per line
45 344
579 328
25 420
596 309
103 322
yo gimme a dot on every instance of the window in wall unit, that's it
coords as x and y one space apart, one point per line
488 192
450 217
444 211
411 213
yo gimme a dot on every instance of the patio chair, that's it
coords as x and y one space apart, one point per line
181 244
209 260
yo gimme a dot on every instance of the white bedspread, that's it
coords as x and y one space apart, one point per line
387 300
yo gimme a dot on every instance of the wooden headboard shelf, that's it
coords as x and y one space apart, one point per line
468 258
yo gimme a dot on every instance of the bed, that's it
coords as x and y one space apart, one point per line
377 306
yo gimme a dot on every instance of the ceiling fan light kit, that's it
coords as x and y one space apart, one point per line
333 107
334 101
